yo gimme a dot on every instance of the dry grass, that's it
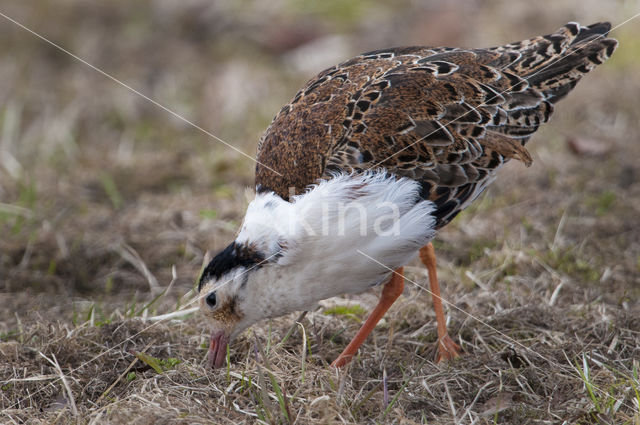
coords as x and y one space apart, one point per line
102 194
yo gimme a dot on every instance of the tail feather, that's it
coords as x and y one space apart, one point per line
555 63
597 30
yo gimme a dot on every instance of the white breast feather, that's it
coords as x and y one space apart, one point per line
320 238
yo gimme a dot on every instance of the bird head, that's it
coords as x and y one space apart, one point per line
225 289
243 283
290 255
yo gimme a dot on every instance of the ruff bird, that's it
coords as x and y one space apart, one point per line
357 173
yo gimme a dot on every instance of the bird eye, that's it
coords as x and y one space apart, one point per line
211 299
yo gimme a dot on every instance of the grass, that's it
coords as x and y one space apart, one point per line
109 209
110 188
159 365
355 311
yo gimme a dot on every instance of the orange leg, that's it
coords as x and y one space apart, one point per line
447 349
391 291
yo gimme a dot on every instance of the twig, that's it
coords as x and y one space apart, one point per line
557 237
385 389
132 257
16 210
555 293
451 405
174 277
304 349
32 378
173 314
292 328
65 383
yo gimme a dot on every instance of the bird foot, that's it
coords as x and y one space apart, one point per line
342 360
447 349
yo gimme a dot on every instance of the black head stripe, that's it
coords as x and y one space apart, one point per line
228 259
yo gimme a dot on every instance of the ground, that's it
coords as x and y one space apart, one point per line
109 206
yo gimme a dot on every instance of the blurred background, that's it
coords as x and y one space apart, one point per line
102 192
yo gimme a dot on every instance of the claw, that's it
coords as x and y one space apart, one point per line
447 349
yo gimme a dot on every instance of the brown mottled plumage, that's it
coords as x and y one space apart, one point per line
446 117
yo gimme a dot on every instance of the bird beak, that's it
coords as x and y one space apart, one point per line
218 348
